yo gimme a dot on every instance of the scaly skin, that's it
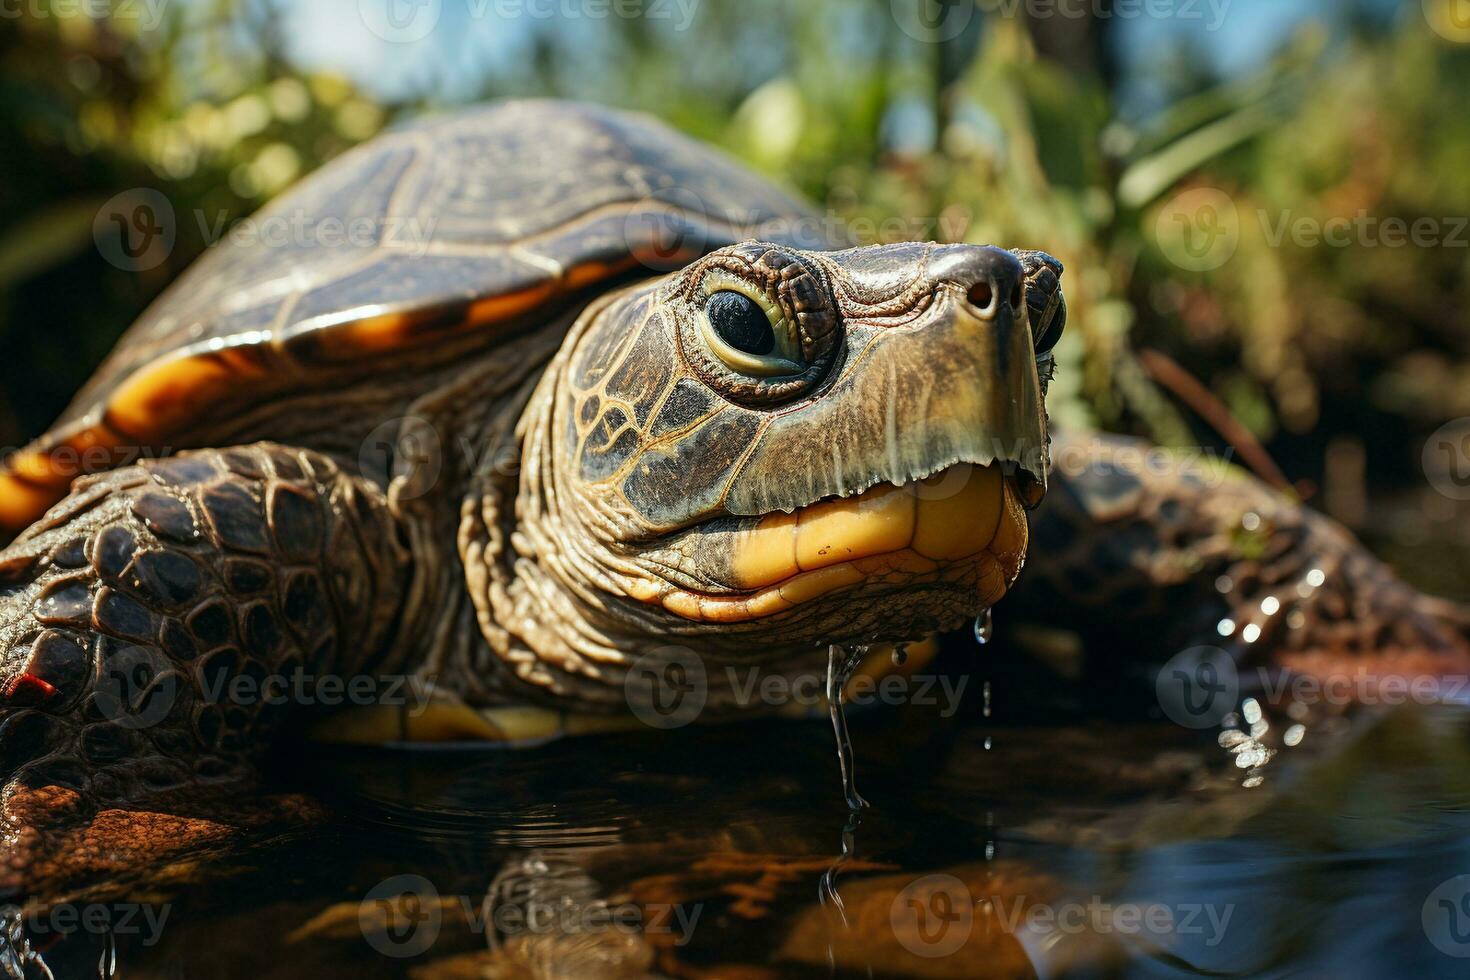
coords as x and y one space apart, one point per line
1162 549
130 610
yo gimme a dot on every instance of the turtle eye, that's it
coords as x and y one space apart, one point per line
757 324
740 322
748 331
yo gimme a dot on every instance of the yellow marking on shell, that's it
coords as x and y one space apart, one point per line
166 395
36 479
589 273
496 308
21 502
956 522
376 333
33 467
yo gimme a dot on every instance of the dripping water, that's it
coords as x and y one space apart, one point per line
840 667
984 627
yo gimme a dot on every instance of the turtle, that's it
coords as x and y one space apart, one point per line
584 415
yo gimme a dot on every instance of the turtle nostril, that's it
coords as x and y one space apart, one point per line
1016 296
981 294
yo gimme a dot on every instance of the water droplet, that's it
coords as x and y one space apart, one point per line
988 743
986 691
984 627
900 654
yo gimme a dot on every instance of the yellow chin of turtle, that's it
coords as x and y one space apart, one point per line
964 523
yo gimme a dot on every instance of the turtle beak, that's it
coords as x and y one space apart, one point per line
940 369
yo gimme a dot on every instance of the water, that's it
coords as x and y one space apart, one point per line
984 627
841 663
1088 841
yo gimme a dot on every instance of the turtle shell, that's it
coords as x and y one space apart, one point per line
446 235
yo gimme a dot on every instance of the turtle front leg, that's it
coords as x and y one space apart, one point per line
1164 551
151 626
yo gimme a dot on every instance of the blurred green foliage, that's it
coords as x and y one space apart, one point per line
981 138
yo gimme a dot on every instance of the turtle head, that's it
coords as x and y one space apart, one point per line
773 449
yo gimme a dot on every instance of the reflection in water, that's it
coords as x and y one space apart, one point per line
1078 845
827 893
